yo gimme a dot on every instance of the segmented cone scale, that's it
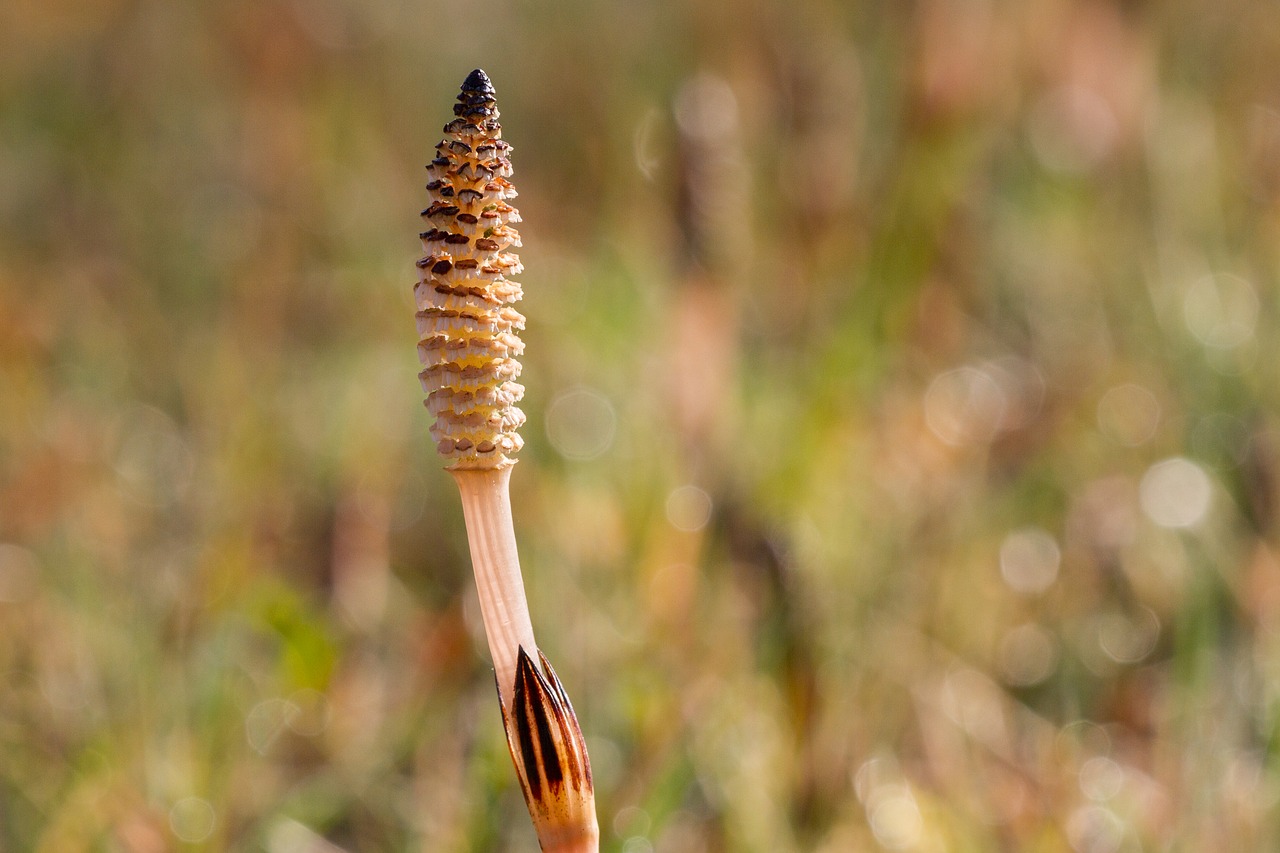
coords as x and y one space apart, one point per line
468 328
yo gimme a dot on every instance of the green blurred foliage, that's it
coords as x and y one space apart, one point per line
902 461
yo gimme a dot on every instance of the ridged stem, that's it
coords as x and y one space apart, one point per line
576 845
486 507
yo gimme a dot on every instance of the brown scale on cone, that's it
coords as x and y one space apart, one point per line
467 327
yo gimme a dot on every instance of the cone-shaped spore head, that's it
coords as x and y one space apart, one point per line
468 328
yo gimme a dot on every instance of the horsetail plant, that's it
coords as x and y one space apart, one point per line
468 345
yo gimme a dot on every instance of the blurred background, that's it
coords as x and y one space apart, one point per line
901 470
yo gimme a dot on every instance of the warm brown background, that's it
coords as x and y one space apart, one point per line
903 442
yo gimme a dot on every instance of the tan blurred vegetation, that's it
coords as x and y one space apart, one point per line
903 443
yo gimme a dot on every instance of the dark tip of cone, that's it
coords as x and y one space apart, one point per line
478 81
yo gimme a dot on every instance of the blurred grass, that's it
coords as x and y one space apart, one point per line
901 468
